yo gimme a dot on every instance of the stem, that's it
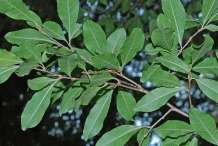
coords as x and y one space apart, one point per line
177 110
189 88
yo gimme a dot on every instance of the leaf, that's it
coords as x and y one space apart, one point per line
132 45
106 60
187 54
204 125
208 9
207 66
76 30
39 83
58 91
16 9
125 104
18 37
206 47
191 22
150 50
68 63
88 94
68 11
140 136
211 27
68 100
176 141
101 78
173 129
155 99
95 119
118 136
8 59
163 38
94 37
5 72
146 75
163 21
194 142
175 11
36 107
52 29
26 67
173 63
115 41
209 88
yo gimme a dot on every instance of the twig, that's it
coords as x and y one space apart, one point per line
177 110
189 88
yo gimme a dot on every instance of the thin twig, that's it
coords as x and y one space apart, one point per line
177 110
189 88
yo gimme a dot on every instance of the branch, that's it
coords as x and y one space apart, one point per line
177 110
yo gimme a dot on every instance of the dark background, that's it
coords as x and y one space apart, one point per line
67 130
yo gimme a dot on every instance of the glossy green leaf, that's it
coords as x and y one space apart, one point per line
98 113
209 88
116 40
88 94
100 79
141 134
204 125
206 47
132 45
68 100
8 58
106 60
94 37
68 12
211 27
52 29
18 37
26 67
68 63
175 11
36 107
207 66
146 75
16 9
5 72
173 129
194 142
118 136
173 63
163 38
155 99
176 141
208 9
39 83
125 104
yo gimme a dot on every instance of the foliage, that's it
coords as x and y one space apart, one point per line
94 73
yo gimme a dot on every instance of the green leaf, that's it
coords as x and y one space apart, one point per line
175 11
211 27
76 30
8 59
187 54
36 107
115 41
118 136
194 142
206 47
52 29
209 88
26 67
88 94
101 78
18 37
132 45
155 99
16 9
191 22
98 113
204 125
146 75
150 50
94 37
125 104
173 63
106 60
68 11
35 21
163 22
68 63
207 66
173 129
208 9
141 134
39 83
176 141
58 91
68 100
163 38
5 72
